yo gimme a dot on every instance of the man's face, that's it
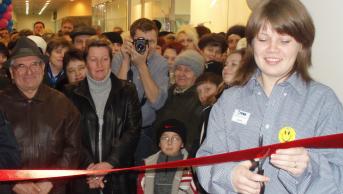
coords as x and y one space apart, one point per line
38 29
27 73
151 36
80 41
67 27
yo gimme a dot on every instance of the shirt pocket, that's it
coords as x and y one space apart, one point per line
244 136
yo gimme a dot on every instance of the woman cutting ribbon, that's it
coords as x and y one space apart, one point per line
274 97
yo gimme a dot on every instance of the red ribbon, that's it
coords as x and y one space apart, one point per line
328 141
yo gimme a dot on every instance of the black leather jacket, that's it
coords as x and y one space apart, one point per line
46 127
121 129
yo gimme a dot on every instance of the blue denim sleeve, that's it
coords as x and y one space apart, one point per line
324 174
215 178
159 72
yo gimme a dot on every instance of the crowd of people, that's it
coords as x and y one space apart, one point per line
86 99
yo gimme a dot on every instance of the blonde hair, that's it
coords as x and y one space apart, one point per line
190 32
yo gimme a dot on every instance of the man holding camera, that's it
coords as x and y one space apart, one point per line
148 70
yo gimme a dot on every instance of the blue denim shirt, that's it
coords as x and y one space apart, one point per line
311 109
158 68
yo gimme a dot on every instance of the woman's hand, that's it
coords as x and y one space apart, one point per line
293 160
246 182
98 181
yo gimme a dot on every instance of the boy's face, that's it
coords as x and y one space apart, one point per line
212 53
170 143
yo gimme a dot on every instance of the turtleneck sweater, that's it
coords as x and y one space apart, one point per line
100 91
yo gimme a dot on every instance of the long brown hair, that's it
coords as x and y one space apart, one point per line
286 17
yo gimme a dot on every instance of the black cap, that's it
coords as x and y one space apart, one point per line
114 37
214 67
82 30
25 47
172 125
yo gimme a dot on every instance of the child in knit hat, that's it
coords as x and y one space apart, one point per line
171 135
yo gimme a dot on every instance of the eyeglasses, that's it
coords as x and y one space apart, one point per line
173 139
34 67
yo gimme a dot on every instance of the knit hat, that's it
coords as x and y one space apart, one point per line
40 42
82 30
114 37
192 59
25 47
172 125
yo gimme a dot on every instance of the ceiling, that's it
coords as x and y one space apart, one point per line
36 5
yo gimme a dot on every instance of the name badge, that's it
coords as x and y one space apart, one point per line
240 116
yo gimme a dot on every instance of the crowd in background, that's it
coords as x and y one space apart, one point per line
175 79
86 99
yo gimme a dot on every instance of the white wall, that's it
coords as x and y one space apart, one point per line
328 46
26 22
219 15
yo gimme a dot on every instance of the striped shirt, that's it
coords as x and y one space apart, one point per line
242 113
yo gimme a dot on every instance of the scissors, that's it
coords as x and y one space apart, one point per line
259 163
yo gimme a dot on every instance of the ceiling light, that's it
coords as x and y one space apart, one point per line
27 7
44 7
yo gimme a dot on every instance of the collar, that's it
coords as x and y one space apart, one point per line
51 75
83 87
176 90
40 96
294 80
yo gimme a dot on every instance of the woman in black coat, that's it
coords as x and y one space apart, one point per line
110 120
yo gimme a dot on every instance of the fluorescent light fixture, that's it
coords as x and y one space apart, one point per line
27 7
44 7
213 2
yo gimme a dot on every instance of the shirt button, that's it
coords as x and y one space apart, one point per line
285 94
267 126
259 93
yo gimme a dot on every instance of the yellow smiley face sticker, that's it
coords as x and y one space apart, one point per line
287 134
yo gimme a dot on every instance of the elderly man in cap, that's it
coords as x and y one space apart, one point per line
45 123
182 102
80 35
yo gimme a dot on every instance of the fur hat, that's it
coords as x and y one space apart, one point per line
172 125
25 47
192 59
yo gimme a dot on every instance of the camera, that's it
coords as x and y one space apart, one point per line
140 45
